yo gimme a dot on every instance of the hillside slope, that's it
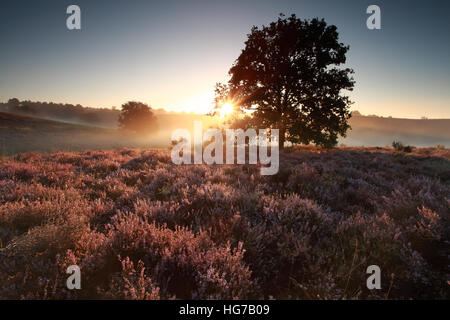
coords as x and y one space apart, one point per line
378 131
24 134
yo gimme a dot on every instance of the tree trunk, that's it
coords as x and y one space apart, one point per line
282 139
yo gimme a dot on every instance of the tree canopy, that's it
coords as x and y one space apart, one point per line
137 117
289 74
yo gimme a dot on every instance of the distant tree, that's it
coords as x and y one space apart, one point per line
137 117
288 74
25 109
13 102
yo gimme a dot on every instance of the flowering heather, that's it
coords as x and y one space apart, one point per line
140 227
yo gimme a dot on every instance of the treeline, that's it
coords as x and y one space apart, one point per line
63 112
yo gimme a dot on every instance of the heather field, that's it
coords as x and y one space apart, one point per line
141 227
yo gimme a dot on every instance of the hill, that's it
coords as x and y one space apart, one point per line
24 134
100 117
365 131
381 131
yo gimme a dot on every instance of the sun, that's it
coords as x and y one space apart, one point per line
226 109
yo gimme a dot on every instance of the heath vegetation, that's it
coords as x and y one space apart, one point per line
140 227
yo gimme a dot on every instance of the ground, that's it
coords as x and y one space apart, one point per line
140 227
27 134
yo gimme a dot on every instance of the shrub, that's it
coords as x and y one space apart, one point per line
140 227
400 147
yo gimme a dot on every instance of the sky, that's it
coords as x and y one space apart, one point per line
170 54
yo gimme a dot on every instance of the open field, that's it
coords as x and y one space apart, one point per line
25 134
141 227
378 131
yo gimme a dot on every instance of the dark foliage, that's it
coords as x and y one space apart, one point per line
137 117
289 74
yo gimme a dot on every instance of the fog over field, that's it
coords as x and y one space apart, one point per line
24 133
377 131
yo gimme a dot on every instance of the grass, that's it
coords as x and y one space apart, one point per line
141 227
20 134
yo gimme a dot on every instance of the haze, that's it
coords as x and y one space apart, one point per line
170 54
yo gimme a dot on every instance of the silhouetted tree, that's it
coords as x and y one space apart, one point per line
13 102
11 105
137 117
288 74
25 109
